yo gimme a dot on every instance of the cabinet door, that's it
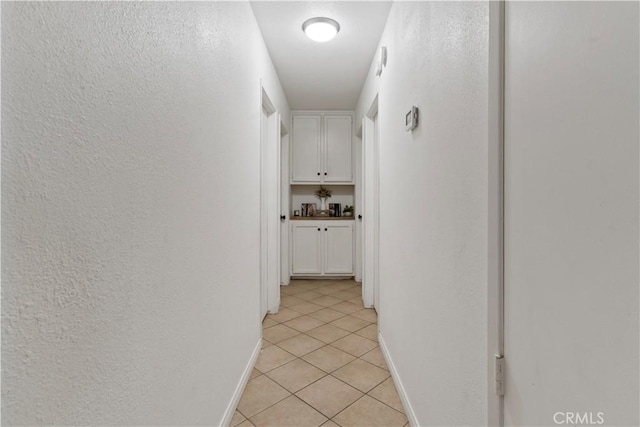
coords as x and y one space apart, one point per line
338 254
305 149
338 149
306 243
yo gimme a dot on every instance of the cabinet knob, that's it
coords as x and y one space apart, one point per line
318 228
283 217
325 229
318 173
325 174
359 216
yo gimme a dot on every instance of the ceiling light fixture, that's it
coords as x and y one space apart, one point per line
320 29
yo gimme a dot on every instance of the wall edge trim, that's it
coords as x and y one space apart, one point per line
402 393
244 379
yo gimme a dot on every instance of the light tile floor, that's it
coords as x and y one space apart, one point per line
320 363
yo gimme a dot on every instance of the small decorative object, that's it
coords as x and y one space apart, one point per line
308 209
348 210
323 194
334 209
296 213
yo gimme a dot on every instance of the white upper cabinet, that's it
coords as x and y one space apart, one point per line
322 148
306 148
337 156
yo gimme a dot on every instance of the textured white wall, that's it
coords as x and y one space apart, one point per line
571 211
433 286
130 211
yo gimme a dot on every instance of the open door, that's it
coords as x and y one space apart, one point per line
285 209
370 165
270 145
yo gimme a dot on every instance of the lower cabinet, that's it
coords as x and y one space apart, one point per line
322 248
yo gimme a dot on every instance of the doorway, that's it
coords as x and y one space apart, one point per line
370 196
270 143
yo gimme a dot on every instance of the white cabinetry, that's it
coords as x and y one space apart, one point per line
322 248
322 148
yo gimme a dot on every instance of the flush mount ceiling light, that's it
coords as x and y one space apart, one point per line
320 29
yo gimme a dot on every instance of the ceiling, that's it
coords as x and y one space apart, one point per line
322 76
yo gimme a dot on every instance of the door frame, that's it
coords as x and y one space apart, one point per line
269 206
371 219
495 214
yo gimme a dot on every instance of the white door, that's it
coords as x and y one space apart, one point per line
370 166
305 149
273 214
306 250
338 247
264 133
571 213
285 211
376 212
270 143
338 149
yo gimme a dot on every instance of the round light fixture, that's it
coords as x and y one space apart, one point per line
320 29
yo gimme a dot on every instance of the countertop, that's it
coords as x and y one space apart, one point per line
322 218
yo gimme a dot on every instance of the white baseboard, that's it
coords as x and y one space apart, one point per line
408 409
237 394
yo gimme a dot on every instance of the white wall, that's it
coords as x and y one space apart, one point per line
130 211
571 211
433 187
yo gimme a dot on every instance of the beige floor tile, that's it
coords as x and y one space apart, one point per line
361 375
328 333
326 300
375 357
329 395
304 323
260 393
291 290
237 418
368 314
245 423
290 412
387 393
370 413
268 322
326 290
328 358
266 343
289 300
329 424
355 345
301 345
369 332
272 357
345 307
345 285
347 295
285 314
327 315
357 301
277 333
296 375
350 323
308 295
254 373
306 307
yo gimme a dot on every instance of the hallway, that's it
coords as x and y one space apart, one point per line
320 363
